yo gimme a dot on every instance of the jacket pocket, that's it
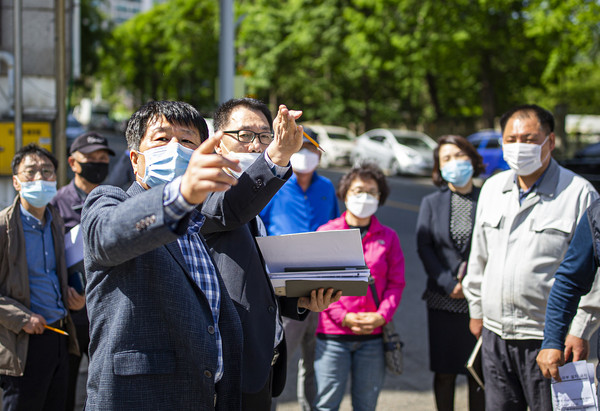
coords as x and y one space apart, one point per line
559 227
552 236
144 362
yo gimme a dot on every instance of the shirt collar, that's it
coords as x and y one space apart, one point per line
196 222
31 220
546 184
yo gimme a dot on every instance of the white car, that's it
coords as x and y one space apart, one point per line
396 151
337 142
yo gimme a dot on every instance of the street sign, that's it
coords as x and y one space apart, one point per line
33 132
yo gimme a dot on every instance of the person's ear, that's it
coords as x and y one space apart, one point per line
551 141
134 157
16 183
71 160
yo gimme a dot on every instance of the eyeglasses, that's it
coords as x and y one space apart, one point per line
247 136
46 173
358 191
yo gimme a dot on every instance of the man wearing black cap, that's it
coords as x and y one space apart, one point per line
88 158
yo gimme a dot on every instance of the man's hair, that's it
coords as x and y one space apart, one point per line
464 145
31 150
545 117
364 171
221 116
175 112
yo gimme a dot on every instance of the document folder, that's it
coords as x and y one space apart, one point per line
474 364
299 263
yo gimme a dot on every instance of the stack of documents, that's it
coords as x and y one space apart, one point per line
299 263
577 390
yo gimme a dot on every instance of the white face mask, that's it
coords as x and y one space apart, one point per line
304 161
362 205
246 160
523 158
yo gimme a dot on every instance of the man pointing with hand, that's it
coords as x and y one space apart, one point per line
164 333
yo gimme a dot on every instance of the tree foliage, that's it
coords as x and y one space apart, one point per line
382 61
169 52
369 63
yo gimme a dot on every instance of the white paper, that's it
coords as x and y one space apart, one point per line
577 390
340 248
73 246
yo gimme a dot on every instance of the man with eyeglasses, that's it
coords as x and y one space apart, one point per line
264 153
34 292
524 224
304 203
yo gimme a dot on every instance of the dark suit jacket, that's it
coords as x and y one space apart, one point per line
434 244
229 230
151 327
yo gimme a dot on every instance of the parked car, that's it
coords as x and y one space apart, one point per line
586 163
337 142
489 144
396 151
74 129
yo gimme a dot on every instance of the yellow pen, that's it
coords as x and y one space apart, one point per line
56 330
313 141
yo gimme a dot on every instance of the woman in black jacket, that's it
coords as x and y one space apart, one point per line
444 230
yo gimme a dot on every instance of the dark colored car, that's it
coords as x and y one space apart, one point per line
489 145
586 163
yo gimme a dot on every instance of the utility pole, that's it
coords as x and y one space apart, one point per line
18 86
226 51
61 87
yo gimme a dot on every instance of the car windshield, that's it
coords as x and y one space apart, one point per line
411 141
339 136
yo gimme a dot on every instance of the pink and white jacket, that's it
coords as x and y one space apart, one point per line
385 259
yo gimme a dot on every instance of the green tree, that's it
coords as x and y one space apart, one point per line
170 52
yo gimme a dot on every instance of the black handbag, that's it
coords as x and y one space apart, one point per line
392 345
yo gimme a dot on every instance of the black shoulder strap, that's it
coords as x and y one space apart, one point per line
373 290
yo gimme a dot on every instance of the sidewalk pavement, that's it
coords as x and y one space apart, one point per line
400 392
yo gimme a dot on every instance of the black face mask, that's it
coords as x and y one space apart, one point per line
95 173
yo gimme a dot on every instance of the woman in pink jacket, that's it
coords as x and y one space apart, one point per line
349 332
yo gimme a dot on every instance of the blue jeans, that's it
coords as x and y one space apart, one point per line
336 360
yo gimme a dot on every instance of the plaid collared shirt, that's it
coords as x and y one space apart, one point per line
196 257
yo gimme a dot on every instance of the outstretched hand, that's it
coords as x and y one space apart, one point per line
205 172
288 136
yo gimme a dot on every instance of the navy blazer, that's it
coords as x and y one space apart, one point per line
434 244
229 229
152 342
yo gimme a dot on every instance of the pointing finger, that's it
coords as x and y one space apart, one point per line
208 146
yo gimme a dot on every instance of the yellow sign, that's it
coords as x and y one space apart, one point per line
33 132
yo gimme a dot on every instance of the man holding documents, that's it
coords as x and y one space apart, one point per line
231 224
523 226
34 292
164 333
575 277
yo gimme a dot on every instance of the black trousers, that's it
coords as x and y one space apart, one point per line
261 400
43 385
511 375
83 338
